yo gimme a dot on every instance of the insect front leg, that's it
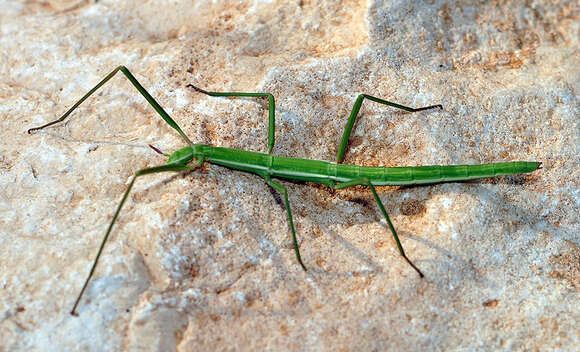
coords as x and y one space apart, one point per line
152 170
141 90
365 182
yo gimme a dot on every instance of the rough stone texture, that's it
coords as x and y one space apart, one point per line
203 261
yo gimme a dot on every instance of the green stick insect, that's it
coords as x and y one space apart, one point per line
267 166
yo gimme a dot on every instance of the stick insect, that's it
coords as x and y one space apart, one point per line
332 174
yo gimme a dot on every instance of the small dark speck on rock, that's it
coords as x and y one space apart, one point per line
491 303
412 207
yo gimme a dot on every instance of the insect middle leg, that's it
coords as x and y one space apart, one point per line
284 192
271 108
365 182
354 112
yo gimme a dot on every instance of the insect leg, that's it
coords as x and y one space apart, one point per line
271 108
354 112
152 170
365 182
141 90
284 192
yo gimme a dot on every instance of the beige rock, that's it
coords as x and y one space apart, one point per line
203 261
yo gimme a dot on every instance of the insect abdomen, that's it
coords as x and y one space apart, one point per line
329 173
436 173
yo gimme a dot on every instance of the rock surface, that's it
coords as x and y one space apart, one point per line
204 261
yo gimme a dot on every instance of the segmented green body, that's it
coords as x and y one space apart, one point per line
334 175
330 173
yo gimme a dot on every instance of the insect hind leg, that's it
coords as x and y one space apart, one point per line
354 113
365 182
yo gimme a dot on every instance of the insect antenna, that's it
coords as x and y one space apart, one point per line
156 149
